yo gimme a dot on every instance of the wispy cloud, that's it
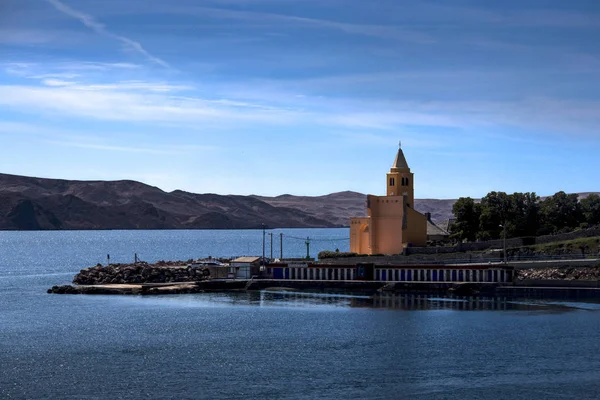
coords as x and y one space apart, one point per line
100 29
409 139
57 82
133 106
165 150
27 36
63 70
375 30
95 141
142 104
160 87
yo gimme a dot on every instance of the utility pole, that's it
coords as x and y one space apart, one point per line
307 247
262 261
505 243
281 246
271 234
503 226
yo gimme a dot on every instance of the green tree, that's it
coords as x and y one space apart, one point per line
523 217
560 213
466 213
495 209
590 208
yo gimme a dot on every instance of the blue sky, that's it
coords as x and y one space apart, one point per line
304 97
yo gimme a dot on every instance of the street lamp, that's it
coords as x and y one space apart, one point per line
503 226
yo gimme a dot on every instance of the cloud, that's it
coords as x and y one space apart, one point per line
130 149
100 29
222 106
409 139
121 86
94 140
112 104
380 31
64 70
27 36
57 82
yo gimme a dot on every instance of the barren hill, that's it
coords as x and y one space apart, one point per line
38 203
339 207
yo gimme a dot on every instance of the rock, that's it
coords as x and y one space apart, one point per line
138 273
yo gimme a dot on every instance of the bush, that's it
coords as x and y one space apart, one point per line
335 254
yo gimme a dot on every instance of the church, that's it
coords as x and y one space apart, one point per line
391 223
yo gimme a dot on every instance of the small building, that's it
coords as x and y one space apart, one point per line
244 267
435 233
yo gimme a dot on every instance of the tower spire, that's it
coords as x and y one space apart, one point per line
400 164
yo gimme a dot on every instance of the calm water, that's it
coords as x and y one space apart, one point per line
271 345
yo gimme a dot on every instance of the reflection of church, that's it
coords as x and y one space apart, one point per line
392 222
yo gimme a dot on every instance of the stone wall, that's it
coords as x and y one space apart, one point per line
582 233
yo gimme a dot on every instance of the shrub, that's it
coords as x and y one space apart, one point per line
335 254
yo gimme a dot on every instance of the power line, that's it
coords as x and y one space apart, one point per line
318 239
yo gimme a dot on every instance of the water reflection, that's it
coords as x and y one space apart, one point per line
409 302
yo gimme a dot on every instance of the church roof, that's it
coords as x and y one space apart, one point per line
400 162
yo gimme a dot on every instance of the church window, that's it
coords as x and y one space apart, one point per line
392 182
406 181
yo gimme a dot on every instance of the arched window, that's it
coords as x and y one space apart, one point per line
392 182
406 181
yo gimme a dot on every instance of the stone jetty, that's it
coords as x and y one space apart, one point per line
561 273
177 277
141 272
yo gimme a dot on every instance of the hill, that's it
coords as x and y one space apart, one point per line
28 203
34 203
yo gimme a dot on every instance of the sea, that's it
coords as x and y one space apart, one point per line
272 344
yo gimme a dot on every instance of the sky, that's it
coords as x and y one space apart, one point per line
303 97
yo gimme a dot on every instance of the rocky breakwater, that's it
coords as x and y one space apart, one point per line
140 272
560 273
139 278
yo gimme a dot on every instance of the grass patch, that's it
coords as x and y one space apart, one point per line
589 245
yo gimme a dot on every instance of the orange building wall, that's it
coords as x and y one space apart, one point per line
360 235
415 233
386 214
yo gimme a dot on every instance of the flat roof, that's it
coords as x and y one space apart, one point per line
245 260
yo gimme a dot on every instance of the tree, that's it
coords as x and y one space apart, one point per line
523 217
590 208
466 213
560 212
495 208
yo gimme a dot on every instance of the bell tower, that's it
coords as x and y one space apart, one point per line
400 179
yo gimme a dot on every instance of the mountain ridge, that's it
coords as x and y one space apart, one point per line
32 203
